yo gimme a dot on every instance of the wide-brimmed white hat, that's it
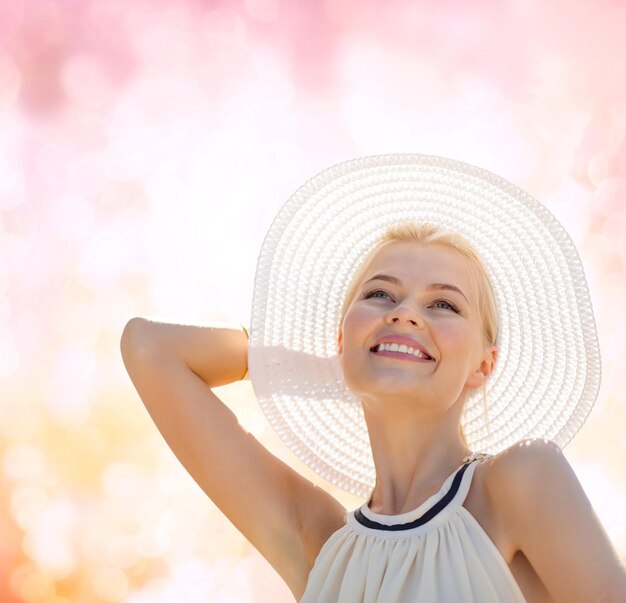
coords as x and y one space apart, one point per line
548 372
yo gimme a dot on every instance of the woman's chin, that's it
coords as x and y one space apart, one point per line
392 384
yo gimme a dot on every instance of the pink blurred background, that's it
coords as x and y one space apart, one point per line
145 148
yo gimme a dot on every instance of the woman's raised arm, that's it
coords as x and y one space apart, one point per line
218 354
173 368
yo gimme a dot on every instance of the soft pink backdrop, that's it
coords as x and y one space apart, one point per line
145 148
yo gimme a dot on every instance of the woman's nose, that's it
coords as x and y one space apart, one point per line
403 312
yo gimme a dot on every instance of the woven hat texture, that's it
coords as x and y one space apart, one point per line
547 375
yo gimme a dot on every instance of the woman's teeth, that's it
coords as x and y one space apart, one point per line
394 347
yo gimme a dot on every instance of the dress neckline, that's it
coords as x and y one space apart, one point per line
414 513
426 510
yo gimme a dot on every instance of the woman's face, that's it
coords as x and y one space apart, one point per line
444 321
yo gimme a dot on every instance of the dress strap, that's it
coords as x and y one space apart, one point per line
465 482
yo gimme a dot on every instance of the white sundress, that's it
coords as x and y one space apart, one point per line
436 553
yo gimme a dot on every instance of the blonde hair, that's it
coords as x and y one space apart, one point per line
431 234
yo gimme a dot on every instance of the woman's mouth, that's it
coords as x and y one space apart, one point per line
400 352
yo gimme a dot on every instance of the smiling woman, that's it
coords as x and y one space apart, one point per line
369 266
468 260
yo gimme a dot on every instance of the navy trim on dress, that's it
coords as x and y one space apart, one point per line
427 516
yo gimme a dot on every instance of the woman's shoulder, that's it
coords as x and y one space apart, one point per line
487 498
515 469
519 461
541 498
518 464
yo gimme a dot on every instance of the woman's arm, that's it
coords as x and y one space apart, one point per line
173 368
218 353
555 526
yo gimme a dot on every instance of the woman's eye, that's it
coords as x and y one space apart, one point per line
443 301
369 294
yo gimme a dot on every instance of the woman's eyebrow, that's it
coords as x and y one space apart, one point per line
395 281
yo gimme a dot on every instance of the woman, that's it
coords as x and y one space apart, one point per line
468 498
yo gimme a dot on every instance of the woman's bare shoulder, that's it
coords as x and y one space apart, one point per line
499 472
494 480
506 464
553 523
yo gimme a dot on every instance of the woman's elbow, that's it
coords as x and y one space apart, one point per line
134 336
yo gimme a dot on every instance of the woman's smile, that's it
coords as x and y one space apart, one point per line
401 356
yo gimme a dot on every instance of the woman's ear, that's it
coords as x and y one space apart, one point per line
487 362
491 355
340 343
